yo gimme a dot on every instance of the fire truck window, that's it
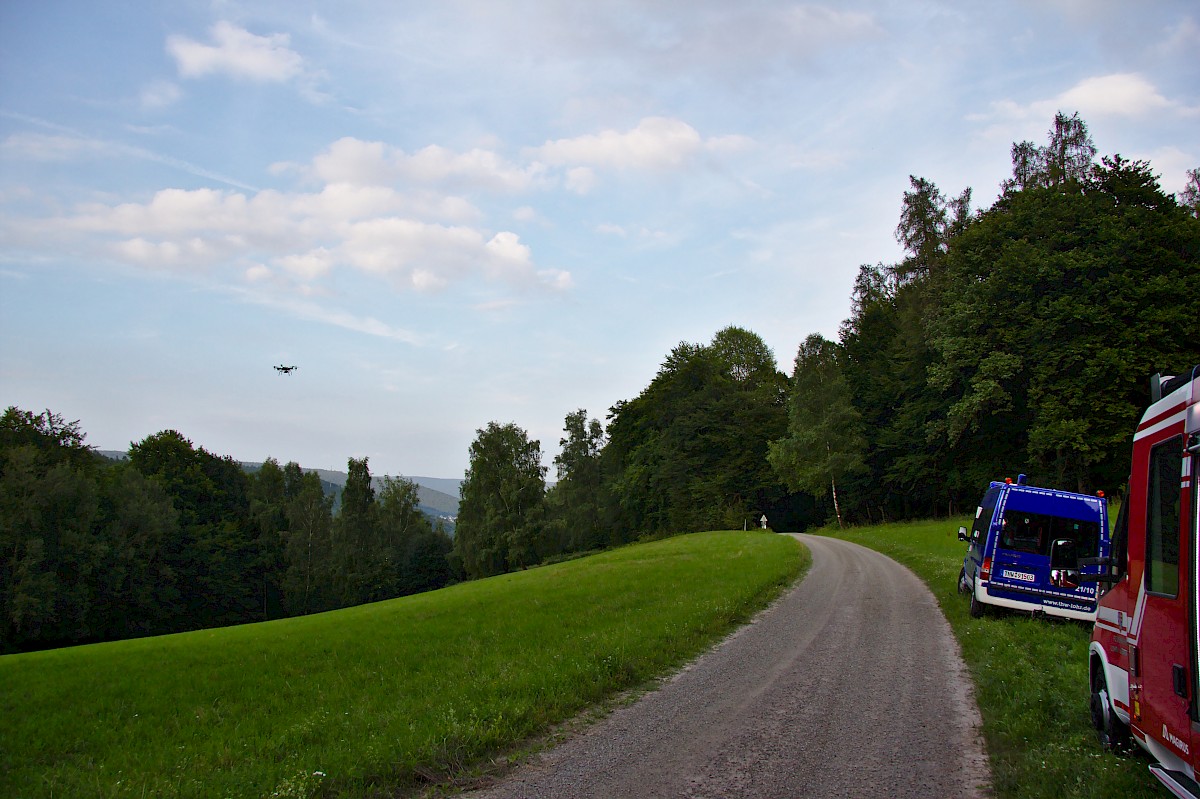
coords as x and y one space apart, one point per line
1162 518
1036 533
1120 541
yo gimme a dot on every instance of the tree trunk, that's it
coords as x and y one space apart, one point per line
836 510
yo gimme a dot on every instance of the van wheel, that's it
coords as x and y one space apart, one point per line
1113 734
962 580
977 607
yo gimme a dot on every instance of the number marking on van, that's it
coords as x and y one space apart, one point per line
1022 576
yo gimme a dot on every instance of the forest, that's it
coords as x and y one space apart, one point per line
1015 338
175 538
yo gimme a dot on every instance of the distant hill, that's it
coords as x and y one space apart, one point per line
433 493
437 496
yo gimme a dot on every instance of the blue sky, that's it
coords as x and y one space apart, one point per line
468 211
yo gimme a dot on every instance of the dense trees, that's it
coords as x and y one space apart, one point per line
689 453
83 549
1022 337
574 506
825 440
501 512
176 539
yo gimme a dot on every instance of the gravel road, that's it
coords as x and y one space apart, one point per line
851 685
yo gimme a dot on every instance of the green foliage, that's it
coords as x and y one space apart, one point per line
353 546
214 555
573 505
81 548
379 699
1020 338
307 580
1057 307
825 440
1066 159
178 539
689 453
501 514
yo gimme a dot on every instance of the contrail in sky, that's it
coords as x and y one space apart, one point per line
131 151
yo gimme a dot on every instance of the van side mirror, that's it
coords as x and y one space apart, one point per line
962 534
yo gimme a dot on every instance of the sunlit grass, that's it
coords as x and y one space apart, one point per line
376 700
1031 679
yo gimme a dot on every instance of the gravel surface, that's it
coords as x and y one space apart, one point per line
851 685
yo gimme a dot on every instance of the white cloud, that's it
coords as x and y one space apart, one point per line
1171 164
581 179
1128 95
160 94
656 143
527 213
557 279
1117 95
611 230
258 273
309 236
185 252
309 265
374 163
238 53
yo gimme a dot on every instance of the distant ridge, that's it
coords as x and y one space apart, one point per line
430 496
438 496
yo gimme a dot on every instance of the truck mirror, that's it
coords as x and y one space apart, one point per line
1099 578
1106 575
962 534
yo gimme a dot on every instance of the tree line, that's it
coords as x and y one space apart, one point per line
176 538
1016 338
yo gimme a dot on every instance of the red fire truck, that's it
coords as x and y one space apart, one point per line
1145 646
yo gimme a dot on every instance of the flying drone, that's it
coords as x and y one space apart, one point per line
285 370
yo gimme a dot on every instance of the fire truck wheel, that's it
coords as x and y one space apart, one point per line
1113 734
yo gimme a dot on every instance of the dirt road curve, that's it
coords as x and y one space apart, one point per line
850 686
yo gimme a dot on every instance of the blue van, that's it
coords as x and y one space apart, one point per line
1024 548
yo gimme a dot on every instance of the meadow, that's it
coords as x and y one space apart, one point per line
385 699
429 691
1031 680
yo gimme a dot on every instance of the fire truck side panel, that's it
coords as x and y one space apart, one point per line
1147 631
1160 683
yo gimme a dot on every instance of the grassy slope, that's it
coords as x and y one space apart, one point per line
377 698
1030 676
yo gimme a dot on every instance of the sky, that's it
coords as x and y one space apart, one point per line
448 214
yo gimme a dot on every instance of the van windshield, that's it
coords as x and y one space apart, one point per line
1036 533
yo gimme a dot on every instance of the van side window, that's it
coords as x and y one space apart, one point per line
1162 518
983 514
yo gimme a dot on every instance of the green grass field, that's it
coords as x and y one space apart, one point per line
1030 676
378 700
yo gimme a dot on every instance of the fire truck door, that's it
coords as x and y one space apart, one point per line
1164 657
